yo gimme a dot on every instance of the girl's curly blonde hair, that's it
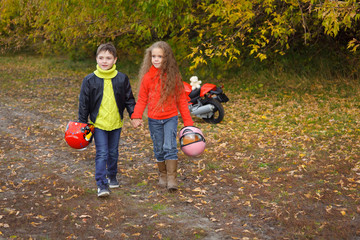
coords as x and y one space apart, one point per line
171 81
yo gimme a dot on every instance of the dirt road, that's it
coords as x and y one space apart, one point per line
48 190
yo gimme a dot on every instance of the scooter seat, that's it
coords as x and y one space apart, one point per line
194 93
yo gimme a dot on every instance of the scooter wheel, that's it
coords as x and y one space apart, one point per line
218 113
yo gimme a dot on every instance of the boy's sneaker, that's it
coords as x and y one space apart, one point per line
103 192
113 182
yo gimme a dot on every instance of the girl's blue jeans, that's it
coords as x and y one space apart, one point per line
163 134
107 153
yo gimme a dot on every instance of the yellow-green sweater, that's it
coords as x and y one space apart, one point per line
108 118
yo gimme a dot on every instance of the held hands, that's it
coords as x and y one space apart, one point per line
136 122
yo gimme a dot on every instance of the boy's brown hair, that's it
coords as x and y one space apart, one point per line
107 47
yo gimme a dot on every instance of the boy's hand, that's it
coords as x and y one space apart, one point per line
136 122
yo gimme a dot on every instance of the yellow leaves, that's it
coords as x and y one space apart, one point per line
71 197
161 225
201 191
4 225
35 224
196 62
261 56
154 215
247 203
46 193
353 45
302 167
41 217
90 174
123 235
332 210
254 48
328 209
307 195
11 211
209 52
266 180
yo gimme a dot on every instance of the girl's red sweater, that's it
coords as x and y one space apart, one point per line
149 94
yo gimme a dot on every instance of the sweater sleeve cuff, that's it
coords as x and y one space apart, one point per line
188 123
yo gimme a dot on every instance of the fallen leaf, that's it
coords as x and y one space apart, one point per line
73 196
307 195
34 224
123 235
328 209
5 225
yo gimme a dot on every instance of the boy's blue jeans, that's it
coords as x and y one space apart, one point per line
163 134
107 153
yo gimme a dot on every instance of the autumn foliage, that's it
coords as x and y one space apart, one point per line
202 32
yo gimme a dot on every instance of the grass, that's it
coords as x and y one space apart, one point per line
143 183
158 207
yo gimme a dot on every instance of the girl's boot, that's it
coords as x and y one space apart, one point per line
162 174
171 167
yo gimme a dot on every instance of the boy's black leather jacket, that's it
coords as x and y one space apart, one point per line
91 94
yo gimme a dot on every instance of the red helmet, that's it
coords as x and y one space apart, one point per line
78 135
192 141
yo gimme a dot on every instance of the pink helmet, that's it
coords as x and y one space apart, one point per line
78 135
192 141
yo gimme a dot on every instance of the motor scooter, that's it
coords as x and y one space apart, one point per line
205 102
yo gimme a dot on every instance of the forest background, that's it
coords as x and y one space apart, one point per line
215 35
283 164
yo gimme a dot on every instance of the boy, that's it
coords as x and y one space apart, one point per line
104 95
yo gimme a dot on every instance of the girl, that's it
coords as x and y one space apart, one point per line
162 90
104 95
